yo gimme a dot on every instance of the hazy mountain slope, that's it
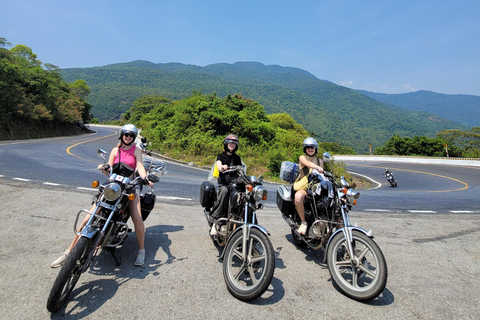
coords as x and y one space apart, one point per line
331 112
461 108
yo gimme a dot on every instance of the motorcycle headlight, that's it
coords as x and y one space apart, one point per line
112 191
352 194
259 193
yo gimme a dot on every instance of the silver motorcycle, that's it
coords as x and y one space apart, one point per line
248 257
355 262
107 226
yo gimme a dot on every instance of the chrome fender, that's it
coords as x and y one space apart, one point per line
89 232
348 229
240 229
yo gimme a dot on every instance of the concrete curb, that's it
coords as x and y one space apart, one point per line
411 159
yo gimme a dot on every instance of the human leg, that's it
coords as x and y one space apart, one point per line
136 216
299 206
221 206
60 261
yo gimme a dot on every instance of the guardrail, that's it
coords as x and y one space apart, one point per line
474 162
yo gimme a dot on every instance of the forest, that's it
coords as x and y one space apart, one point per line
193 129
35 101
326 110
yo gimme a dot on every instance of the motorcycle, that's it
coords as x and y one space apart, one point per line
390 178
248 255
355 262
107 226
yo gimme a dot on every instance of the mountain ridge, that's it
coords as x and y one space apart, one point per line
330 112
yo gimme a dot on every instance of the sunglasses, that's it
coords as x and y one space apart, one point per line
131 135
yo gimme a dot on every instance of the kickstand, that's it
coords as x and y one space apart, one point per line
116 257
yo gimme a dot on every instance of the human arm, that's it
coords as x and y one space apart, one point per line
105 167
140 168
220 166
304 162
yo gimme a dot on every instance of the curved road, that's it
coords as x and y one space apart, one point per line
69 162
182 277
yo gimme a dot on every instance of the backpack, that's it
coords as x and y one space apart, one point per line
289 171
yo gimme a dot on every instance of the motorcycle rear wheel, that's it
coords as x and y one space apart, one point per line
362 282
247 278
69 275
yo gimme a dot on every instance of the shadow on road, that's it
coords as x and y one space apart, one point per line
91 295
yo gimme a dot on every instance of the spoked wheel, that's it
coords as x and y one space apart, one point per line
69 275
247 277
365 277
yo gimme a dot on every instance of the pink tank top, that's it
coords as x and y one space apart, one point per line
127 157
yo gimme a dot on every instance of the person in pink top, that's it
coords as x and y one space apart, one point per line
125 159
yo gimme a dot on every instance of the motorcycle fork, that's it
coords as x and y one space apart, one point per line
347 233
246 233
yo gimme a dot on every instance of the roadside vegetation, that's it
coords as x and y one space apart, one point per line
34 99
36 102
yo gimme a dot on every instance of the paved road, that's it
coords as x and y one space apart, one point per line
433 261
428 229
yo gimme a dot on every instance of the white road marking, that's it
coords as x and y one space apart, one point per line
421 211
52 184
89 189
368 178
462 211
379 210
21 179
174 198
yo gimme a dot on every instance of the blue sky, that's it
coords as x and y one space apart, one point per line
378 45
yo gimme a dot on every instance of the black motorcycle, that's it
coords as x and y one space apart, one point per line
248 257
390 178
356 263
107 226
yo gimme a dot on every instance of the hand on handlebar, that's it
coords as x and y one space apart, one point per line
105 167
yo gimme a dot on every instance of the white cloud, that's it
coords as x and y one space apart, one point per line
347 83
409 88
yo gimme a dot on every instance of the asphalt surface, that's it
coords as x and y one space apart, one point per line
433 262
428 229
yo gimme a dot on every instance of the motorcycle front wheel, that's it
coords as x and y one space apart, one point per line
69 274
248 277
365 277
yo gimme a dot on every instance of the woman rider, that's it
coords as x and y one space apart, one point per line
307 161
127 153
226 159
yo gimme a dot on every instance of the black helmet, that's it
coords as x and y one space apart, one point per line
230 138
310 142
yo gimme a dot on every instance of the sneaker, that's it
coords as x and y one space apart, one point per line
213 231
61 260
140 258
302 229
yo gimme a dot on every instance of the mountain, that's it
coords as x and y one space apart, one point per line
330 112
461 108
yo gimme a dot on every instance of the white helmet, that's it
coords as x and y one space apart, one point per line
128 128
310 142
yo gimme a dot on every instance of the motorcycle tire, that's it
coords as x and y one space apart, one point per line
247 278
69 275
362 282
